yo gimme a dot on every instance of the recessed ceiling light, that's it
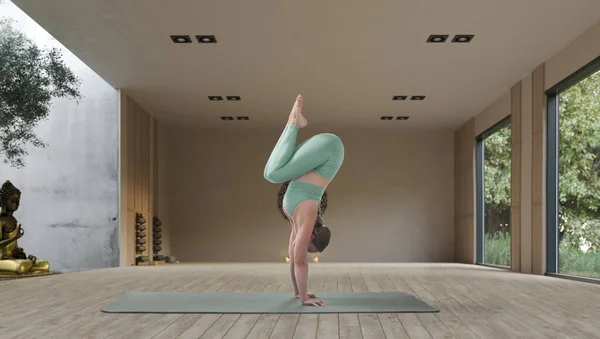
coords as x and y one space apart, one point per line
399 97
243 118
233 98
226 118
462 38
215 98
417 97
387 118
206 39
437 38
402 118
181 39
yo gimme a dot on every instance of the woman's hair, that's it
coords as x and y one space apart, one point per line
322 234
281 194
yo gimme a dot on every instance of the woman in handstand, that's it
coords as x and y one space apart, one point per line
309 168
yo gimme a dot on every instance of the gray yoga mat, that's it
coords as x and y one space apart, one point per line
239 302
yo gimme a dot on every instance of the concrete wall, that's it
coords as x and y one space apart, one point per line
391 201
69 206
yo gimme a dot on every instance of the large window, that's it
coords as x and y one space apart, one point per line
574 175
493 195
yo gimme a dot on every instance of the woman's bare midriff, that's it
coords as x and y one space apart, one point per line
311 177
314 178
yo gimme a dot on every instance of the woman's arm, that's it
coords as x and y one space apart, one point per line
300 263
291 253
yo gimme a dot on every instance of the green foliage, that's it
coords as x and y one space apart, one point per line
497 248
497 154
30 78
571 259
579 164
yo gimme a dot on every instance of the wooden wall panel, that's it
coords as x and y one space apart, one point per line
525 172
538 243
459 195
138 176
155 168
515 174
123 236
149 180
470 241
457 190
464 228
468 182
459 240
515 177
130 135
515 238
137 189
145 166
515 113
528 179
130 249
539 100
537 169
538 172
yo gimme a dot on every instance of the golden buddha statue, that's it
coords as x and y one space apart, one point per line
12 257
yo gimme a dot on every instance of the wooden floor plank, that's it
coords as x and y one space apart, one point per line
220 327
77 309
520 319
242 326
307 326
370 326
392 327
474 302
349 326
147 323
328 326
199 327
264 326
178 326
285 327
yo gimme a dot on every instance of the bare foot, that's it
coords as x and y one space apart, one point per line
296 116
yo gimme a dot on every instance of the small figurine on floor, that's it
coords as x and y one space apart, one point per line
13 259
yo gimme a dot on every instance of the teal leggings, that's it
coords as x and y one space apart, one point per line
322 153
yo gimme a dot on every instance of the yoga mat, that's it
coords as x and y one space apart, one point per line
240 302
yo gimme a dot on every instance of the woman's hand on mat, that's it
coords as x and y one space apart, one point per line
308 296
310 302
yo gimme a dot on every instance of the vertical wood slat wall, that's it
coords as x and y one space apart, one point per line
139 164
528 255
464 193
515 177
538 172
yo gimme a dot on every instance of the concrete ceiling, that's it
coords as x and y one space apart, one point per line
348 58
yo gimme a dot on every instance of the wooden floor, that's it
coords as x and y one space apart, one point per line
475 302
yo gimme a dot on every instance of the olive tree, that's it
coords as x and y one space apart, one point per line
30 78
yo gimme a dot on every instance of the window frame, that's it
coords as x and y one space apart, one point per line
480 191
552 178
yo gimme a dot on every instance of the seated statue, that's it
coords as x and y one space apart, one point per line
13 259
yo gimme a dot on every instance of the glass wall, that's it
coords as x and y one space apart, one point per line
575 112
493 195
